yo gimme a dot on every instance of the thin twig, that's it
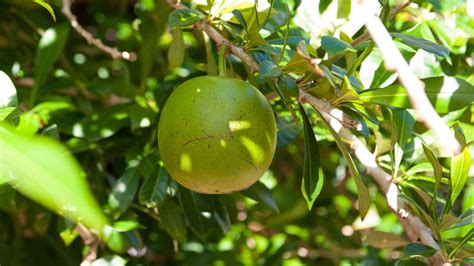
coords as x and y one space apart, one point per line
112 51
395 62
90 240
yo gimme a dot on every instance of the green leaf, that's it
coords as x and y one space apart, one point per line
418 249
323 5
221 214
8 96
176 50
126 225
403 123
238 15
438 172
343 8
184 17
191 211
172 220
153 190
445 93
50 47
313 175
464 240
259 192
47 7
383 240
426 45
7 197
460 165
287 130
268 69
364 196
43 170
102 124
124 190
334 46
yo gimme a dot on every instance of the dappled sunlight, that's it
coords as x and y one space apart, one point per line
256 152
185 163
237 125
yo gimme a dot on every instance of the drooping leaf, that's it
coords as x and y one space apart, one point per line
153 191
191 211
445 93
438 172
364 196
403 123
426 45
184 17
221 214
313 175
259 192
418 249
334 46
49 49
176 51
172 221
124 190
287 130
8 97
47 7
382 240
43 170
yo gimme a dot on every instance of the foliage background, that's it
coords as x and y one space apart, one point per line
106 112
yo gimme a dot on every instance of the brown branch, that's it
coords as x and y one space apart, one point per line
112 51
366 36
395 62
90 240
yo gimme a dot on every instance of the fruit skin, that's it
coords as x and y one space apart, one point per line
216 135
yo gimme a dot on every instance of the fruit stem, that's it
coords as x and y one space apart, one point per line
222 61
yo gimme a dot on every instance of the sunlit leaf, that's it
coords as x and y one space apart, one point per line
460 165
184 17
47 7
124 190
8 97
343 8
445 93
403 123
43 170
261 193
313 175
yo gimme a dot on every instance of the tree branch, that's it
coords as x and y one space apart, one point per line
112 51
90 240
395 62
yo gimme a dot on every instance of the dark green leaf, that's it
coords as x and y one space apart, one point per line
238 15
58 181
259 192
364 196
268 69
172 220
403 123
287 130
445 93
184 17
220 214
438 172
124 190
47 7
334 46
418 249
153 190
313 175
288 86
7 197
426 45
323 5
191 211
410 262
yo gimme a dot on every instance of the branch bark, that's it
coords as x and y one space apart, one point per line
395 62
112 51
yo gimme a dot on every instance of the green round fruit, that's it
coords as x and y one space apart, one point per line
216 135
